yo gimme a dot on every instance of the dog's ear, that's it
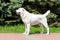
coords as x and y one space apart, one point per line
23 9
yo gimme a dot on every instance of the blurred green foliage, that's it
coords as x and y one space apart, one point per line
8 8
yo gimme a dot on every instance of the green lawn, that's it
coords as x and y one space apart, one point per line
20 29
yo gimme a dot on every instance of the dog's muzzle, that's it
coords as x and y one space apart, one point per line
17 12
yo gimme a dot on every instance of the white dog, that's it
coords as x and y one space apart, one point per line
33 19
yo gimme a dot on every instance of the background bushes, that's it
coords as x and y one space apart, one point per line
8 8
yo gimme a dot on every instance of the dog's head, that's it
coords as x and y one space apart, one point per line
20 10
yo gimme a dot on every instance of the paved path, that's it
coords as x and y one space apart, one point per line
16 36
11 36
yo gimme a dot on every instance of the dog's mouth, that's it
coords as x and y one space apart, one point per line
17 13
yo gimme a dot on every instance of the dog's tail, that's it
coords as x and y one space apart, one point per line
47 13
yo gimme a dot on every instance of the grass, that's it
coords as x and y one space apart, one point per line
20 29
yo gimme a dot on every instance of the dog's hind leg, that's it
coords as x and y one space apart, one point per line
44 22
42 27
46 26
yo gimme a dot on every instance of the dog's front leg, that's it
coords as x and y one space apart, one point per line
27 28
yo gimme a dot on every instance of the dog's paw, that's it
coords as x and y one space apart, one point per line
48 34
25 33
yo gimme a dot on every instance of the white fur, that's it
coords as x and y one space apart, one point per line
33 19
